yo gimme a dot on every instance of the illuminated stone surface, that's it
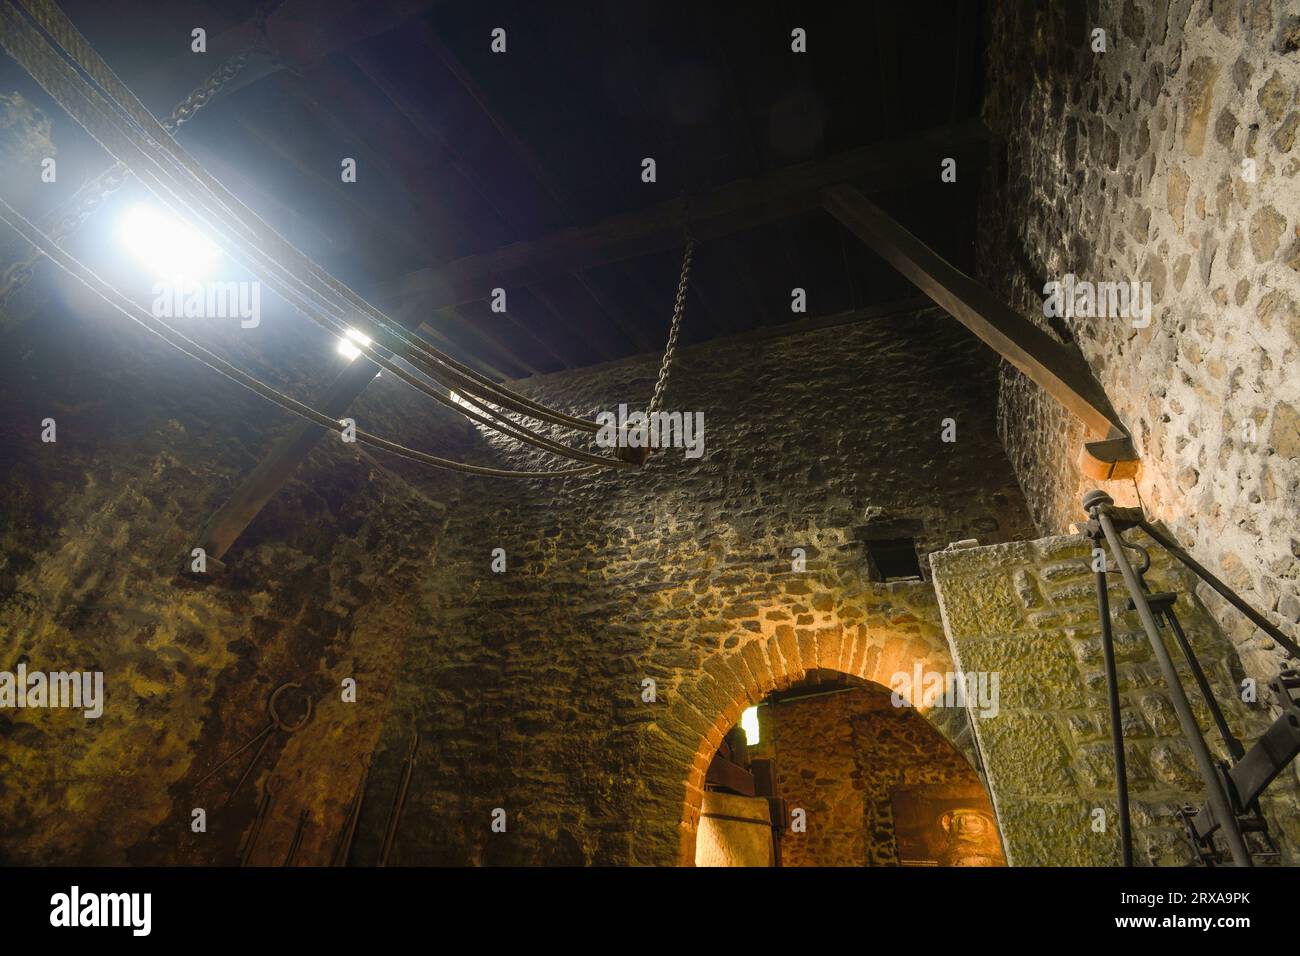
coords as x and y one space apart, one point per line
1047 751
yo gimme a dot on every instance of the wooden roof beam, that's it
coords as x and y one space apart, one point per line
268 477
420 116
1058 368
300 32
731 208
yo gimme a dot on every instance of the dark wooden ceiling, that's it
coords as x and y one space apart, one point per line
461 151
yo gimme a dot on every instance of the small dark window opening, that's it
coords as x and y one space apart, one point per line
893 559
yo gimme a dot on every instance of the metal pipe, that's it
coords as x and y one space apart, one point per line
1223 810
1116 727
399 801
344 848
1168 614
291 857
1226 592
1229 740
263 807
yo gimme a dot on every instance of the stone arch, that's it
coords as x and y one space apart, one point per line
706 708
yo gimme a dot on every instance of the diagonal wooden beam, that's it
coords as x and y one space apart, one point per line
1059 369
260 485
740 205
731 208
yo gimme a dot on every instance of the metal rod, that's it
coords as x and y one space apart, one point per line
399 801
229 757
1229 740
1116 725
263 806
1169 615
1223 810
344 848
1226 592
296 843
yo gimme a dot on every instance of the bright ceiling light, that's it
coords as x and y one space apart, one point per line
347 349
169 247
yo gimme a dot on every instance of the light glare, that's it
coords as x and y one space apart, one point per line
749 724
169 247
347 349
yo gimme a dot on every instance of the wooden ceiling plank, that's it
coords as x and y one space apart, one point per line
599 343
744 272
301 32
398 164
721 317
419 116
743 82
731 208
554 196
381 224
484 334
453 348
518 319
527 155
632 331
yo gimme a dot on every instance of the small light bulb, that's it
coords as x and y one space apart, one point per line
347 349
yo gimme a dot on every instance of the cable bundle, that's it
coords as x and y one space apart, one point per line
130 133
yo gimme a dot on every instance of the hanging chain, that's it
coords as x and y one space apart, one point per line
670 352
209 88
92 194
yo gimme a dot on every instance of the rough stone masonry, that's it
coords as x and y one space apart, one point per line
1170 158
528 690
1028 610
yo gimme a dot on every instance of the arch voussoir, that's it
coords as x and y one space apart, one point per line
732 681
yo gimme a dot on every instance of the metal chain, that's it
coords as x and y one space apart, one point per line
209 88
670 351
300 280
92 194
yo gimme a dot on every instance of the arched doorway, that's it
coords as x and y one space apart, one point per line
832 771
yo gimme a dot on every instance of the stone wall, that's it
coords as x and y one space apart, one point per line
1128 165
93 530
840 757
528 691
526 686
1028 611
734 831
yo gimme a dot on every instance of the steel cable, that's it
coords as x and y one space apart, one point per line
26 45
178 340
64 33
